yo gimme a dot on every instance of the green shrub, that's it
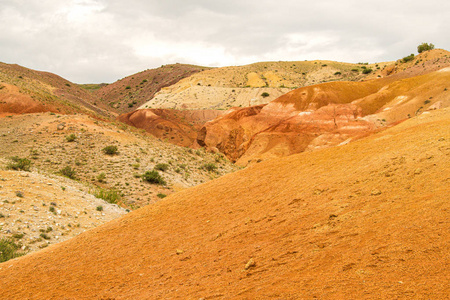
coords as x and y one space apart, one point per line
153 177
209 167
68 172
109 195
425 47
99 208
408 58
337 73
367 71
265 94
161 196
110 150
44 236
101 177
71 137
161 167
9 250
19 164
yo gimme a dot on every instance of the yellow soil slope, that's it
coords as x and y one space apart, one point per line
366 220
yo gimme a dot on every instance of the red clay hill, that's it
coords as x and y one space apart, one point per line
330 114
365 220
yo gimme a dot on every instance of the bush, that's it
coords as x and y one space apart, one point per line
99 208
408 58
101 177
337 73
425 47
265 94
153 177
68 172
71 137
110 150
9 250
19 164
161 196
210 167
367 71
110 196
161 167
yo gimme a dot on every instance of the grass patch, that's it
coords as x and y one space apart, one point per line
18 163
9 250
109 195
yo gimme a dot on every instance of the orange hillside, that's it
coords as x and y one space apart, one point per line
366 220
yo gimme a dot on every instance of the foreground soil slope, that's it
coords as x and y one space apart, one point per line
365 220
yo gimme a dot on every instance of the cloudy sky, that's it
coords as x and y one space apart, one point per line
93 41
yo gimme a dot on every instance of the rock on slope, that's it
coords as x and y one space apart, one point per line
325 115
369 219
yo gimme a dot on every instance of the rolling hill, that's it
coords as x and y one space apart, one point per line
23 90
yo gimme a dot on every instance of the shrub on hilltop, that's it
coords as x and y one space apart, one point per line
425 47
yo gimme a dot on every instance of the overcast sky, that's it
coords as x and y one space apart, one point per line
93 41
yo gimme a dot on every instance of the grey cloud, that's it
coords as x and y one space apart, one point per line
99 40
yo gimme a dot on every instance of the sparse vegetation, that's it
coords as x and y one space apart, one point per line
99 208
9 250
265 95
161 196
153 177
18 163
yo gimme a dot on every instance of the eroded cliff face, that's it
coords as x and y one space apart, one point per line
325 115
178 127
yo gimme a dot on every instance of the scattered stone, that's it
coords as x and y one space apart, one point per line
418 171
250 264
375 192
179 251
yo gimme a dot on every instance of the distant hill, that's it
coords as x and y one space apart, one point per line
259 83
127 94
23 90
